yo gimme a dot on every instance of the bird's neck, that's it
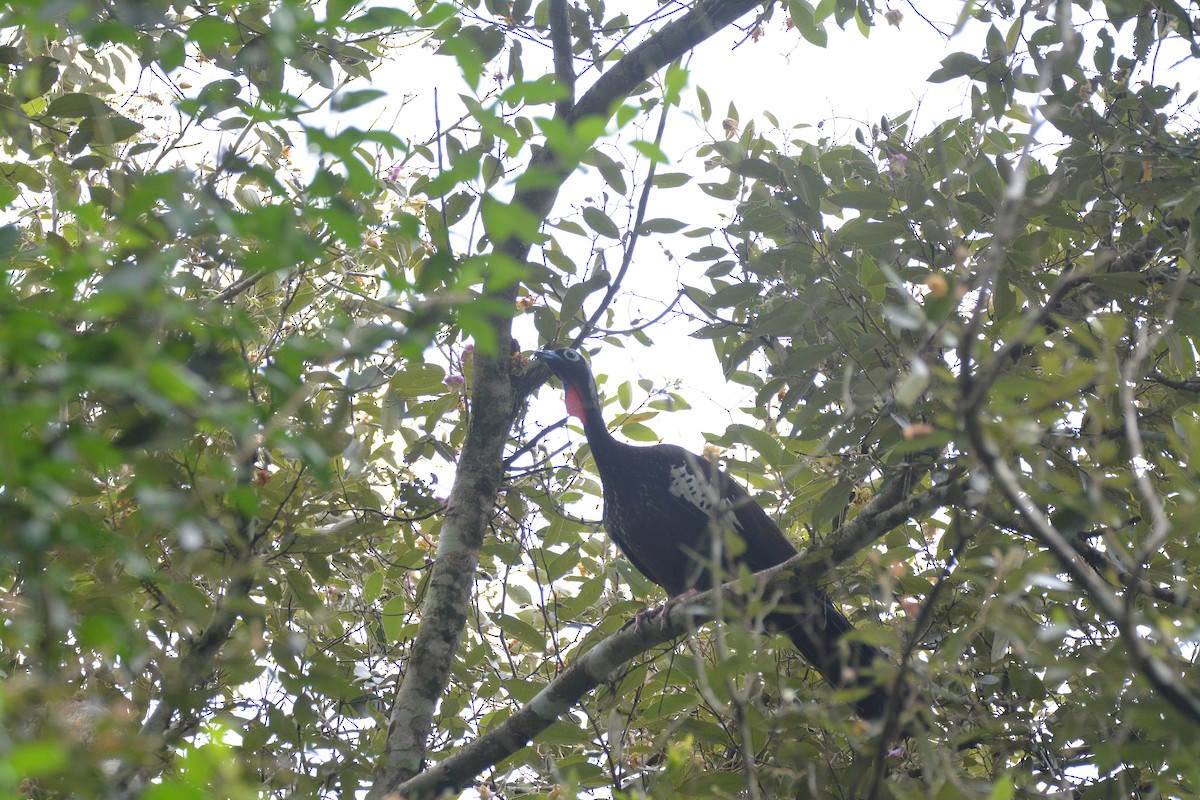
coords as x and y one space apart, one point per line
585 405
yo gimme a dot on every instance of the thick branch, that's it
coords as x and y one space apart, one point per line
560 43
547 171
665 46
611 654
447 602
181 689
495 398
1105 565
1165 680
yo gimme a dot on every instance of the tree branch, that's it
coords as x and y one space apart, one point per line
560 44
495 399
676 38
177 698
1039 526
595 666
627 258
447 602
181 694
1104 565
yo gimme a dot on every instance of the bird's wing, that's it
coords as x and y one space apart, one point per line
766 545
705 494
639 564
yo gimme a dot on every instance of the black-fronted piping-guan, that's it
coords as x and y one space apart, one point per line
662 505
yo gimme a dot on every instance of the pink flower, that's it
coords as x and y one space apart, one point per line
394 173
454 381
896 165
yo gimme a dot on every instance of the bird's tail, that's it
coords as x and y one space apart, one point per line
816 627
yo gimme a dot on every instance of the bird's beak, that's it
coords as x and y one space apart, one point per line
551 359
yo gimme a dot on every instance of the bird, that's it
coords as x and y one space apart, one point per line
669 511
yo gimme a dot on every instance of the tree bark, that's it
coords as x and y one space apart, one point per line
495 398
612 653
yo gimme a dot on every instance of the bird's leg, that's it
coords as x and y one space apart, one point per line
639 619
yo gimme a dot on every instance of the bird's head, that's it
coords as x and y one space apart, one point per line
571 368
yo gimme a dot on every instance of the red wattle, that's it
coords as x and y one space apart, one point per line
575 403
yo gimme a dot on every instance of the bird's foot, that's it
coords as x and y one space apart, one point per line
664 610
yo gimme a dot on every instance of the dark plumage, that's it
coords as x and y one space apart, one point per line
661 504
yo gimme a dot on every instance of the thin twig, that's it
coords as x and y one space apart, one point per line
627 257
1160 525
1039 525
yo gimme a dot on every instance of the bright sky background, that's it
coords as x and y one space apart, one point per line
848 85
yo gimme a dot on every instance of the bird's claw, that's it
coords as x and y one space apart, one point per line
639 619
663 612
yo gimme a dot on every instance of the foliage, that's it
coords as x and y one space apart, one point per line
251 339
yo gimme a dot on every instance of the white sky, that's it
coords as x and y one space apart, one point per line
850 84
847 85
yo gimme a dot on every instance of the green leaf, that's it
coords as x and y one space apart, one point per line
997 50
1103 57
912 385
661 225
868 233
89 162
503 221
174 789
705 104
710 253
650 150
598 221
110 130
345 101
417 381
1003 788
512 626
372 587
833 502
734 296
1013 37
861 199
392 617
543 90
670 180
766 444
625 395
675 78
211 32
638 432
957 65
35 759
379 18
437 15
10 238
758 168
610 170
805 18
575 294
78 104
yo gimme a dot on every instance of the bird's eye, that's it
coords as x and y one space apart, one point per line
570 355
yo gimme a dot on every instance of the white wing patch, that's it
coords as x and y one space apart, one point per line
701 493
